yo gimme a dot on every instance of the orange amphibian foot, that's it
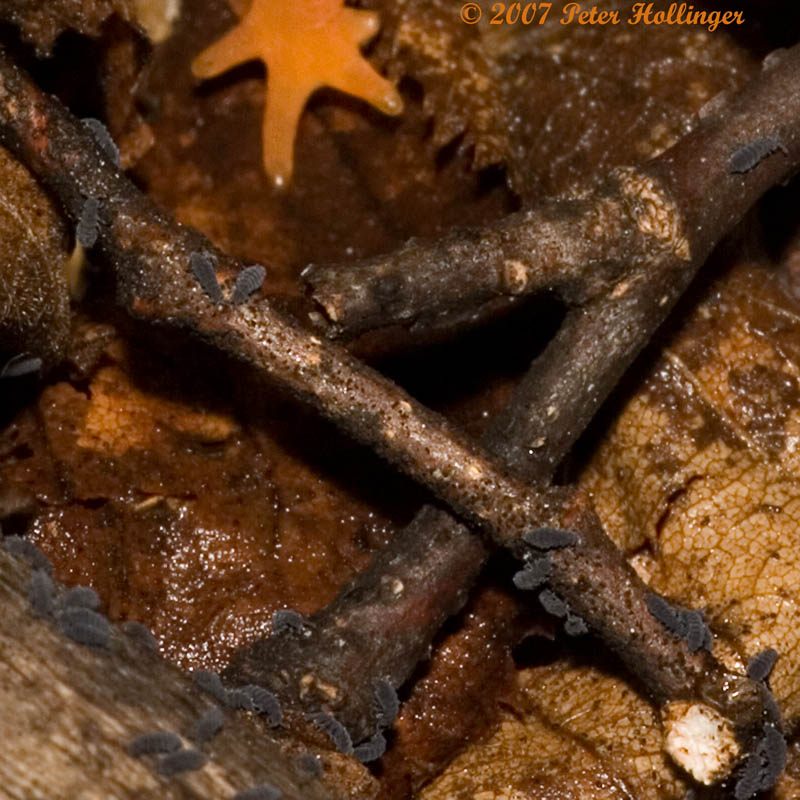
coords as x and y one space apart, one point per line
305 44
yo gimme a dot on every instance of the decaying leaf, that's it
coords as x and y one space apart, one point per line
513 765
575 733
34 297
618 94
136 482
41 21
427 40
709 449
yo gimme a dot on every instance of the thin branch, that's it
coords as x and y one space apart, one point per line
580 246
575 246
379 627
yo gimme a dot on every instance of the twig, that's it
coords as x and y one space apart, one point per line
567 245
378 627
578 246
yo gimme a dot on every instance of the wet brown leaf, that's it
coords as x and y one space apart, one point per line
135 480
556 102
426 40
618 94
34 299
458 695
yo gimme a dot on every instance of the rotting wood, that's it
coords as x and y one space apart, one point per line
68 712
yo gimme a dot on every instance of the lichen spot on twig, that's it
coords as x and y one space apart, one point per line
655 213
575 625
515 276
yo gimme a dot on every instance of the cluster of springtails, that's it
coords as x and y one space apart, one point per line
247 281
766 762
536 573
261 701
74 612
